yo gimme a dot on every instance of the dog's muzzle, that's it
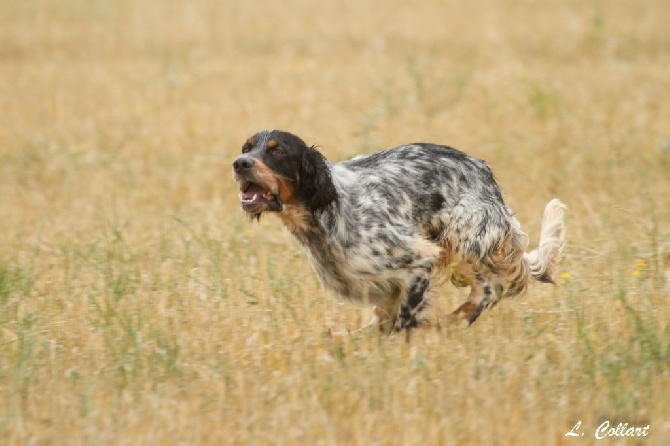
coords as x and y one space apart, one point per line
255 196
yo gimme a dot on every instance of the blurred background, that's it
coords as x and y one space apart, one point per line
137 304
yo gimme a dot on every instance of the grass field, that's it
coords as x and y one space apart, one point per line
138 306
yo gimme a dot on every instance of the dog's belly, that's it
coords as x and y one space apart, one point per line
362 286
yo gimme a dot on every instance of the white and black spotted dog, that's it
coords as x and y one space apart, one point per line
378 228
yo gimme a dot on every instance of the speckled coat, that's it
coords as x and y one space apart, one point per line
378 228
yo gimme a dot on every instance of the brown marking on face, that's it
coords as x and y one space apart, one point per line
272 144
295 215
265 177
287 189
250 141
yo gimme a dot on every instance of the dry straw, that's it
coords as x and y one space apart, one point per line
138 306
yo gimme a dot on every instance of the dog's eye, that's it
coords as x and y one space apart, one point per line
246 148
277 151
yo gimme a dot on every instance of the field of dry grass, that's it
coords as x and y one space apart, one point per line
139 306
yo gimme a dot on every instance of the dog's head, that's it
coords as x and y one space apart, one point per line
277 169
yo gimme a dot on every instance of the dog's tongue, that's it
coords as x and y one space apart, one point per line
254 193
253 189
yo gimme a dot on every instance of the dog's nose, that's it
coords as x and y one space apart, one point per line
243 163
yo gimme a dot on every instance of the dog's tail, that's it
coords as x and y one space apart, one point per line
542 261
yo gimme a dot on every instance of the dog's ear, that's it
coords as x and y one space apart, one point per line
315 184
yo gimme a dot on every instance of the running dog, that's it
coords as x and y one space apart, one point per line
379 228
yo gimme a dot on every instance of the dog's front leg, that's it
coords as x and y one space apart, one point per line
413 303
382 318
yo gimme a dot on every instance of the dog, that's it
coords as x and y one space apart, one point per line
379 229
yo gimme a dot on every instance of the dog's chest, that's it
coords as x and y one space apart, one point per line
351 274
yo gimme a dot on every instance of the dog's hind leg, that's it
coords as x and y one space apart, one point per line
485 292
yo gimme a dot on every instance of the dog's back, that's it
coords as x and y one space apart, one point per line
423 183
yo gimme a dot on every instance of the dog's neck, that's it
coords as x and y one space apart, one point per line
298 220
327 225
314 229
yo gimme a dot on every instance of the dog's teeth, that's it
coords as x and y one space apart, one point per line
267 196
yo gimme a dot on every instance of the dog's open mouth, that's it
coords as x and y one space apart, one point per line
255 198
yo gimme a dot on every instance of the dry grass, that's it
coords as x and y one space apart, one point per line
138 306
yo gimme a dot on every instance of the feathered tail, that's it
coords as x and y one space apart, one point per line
542 261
